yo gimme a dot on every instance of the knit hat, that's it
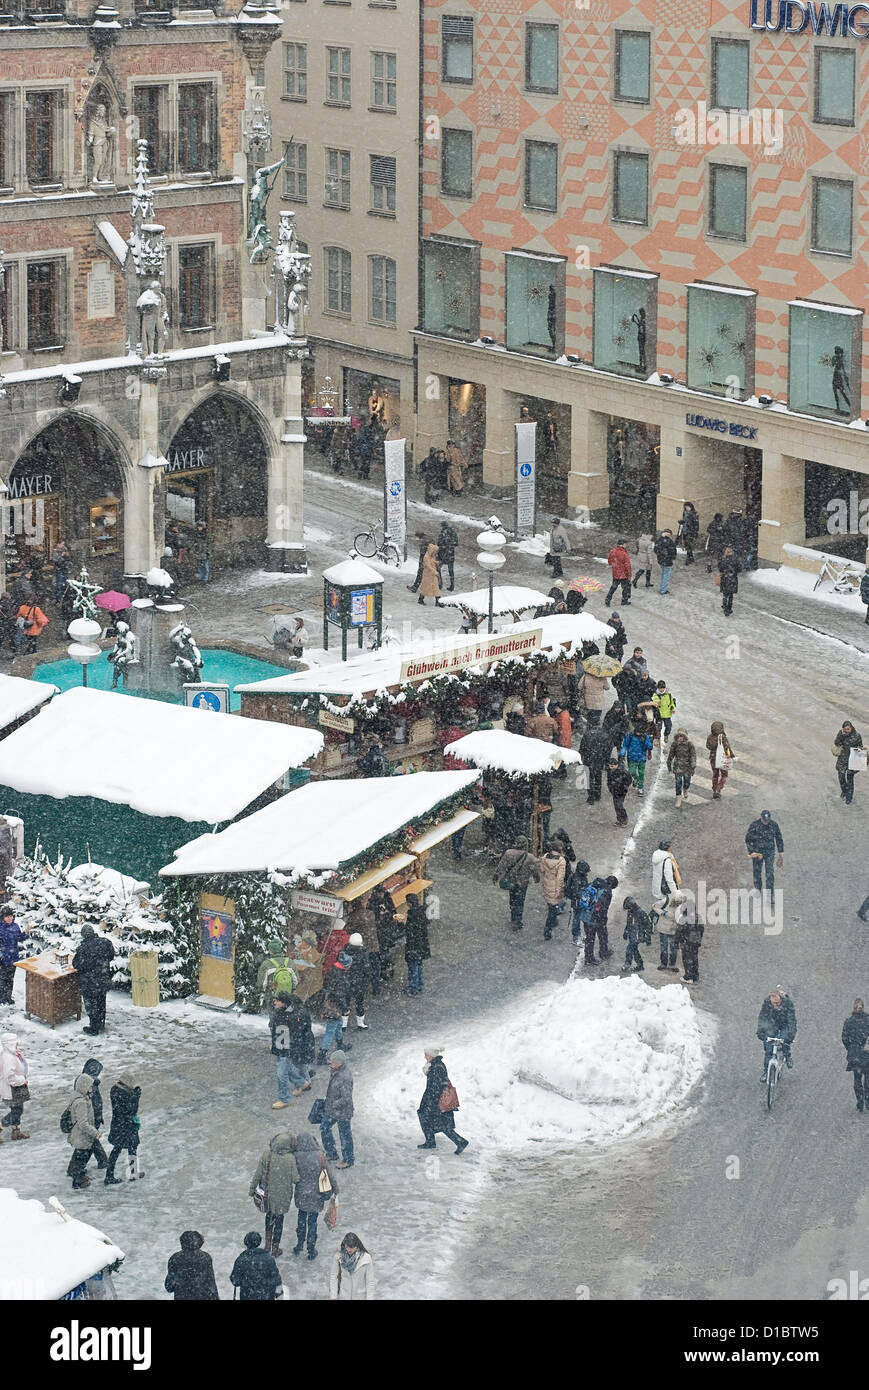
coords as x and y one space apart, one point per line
275 946
338 1058
8 912
87 930
766 815
355 940
520 842
433 1050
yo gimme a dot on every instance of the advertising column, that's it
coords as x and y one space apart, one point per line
395 494
526 478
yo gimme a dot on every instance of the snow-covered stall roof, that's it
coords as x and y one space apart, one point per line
352 572
314 830
506 598
18 697
500 751
567 630
159 759
43 1256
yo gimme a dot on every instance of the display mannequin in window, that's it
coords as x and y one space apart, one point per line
841 384
639 318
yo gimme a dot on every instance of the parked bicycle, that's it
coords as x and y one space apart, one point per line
774 1068
374 544
844 577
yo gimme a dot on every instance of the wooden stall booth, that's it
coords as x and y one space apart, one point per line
52 990
517 773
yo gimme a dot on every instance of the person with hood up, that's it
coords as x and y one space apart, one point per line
846 739
93 961
416 943
11 937
277 1174
619 562
721 756
82 1133
855 1037
638 927
553 868
714 541
94 1069
644 549
689 937
309 1196
514 871
352 1271
777 1019
559 546
430 584
615 645
636 749
13 1077
619 783
190 1273
595 747
682 761
289 1074
762 839
432 1118
255 1274
689 530
666 881
358 975
338 1109
728 579
577 880
124 1129
665 552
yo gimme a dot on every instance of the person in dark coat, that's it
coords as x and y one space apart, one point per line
93 1068
424 543
595 747
762 839
574 884
255 1273
714 541
665 554
358 975
302 1046
338 1110
736 533
689 935
619 783
615 645
855 1037
11 937
777 1019
8 613
864 592
92 960
432 1119
846 739
124 1130
689 530
599 916
728 569
574 601
190 1273
447 542
288 1074
416 943
638 927
309 1200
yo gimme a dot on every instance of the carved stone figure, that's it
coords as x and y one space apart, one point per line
291 271
153 319
257 199
101 143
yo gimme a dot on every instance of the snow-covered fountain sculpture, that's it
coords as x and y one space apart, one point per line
167 655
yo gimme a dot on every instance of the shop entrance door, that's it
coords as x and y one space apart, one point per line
633 465
467 420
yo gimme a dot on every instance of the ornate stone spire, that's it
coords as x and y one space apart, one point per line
147 246
143 197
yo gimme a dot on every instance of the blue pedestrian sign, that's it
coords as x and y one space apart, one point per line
525 470
206 699
395 489
210 696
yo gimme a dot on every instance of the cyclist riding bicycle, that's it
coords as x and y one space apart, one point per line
777 1019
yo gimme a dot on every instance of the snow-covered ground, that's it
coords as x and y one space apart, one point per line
800 582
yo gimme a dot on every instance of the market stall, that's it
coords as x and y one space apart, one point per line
517 775
20 700
508 600
48 1255
296 868
413 700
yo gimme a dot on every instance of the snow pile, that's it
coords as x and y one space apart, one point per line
594 1060
44 1256
801 584
117 887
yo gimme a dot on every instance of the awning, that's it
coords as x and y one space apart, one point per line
441 832
372 877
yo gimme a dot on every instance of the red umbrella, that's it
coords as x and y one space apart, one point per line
112 601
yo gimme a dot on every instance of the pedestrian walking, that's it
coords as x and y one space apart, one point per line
77 1122
93 961
762 839
855 1038
358 976
352 1273
728 579
617 723
30 621
455 469
689 938
591 692
416 943
437 1109
447 542
316 1185
864 592
190 1273
424 542
736 534
619 783
714 542
629 680
682 762
666 881
335 1008
559 547
721 757
276 971
274 1180
338 1110
638 928
124 1129
595 918
644 549
513 872
13 1085
845 744
665 553
577 880
11 937
564 729
94 1068
615 645
619 562
689 530
430 584
255 1274
636 749
553 869
302 1046
202 552
665 707
289 1074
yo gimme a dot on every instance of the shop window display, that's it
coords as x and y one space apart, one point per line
625 322
721 341
451 288
823 360
534 299
105 527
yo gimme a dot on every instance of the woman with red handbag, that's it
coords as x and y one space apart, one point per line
439 1103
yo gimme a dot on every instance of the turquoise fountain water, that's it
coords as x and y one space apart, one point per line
219 665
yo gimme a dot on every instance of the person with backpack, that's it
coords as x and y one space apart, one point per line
416 943
637 750
276 1176
681 761
275 972
638 928
437 1109
689 936
77 1123
124 1129
288 1075
513 872
93 961
619 783
190 1273
255 1274
553 869
316 1186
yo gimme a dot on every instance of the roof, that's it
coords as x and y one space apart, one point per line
506 598
514 753
18 697
352 572
318 828
43 1256
160 759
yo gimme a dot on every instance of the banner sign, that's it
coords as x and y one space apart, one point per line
526 479
322 903
336 721
395 494
476 653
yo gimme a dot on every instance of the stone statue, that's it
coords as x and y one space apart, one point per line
295 319
2 288
292 268
101 142
257 199
188 658
123 653
153 319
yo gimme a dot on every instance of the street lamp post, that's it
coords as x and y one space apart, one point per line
83 648
490 556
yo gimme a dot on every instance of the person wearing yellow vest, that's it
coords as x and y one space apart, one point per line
665 705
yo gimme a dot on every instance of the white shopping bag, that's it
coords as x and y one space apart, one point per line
857 760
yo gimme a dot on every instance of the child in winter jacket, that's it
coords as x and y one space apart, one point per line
665 705
637 749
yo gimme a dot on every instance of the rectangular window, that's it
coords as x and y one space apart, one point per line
338 297
196 286
338 76
383 87
625 321
824 352
296 172
541 57
456 163
831 216
151 110
632 66
728 198
337 187
381 289
457 48
730 69
534 304
296 71
631 187
721 340
43 131
45 320
382 180
541 175
834 85
7 139
451 288
8 308
197 151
